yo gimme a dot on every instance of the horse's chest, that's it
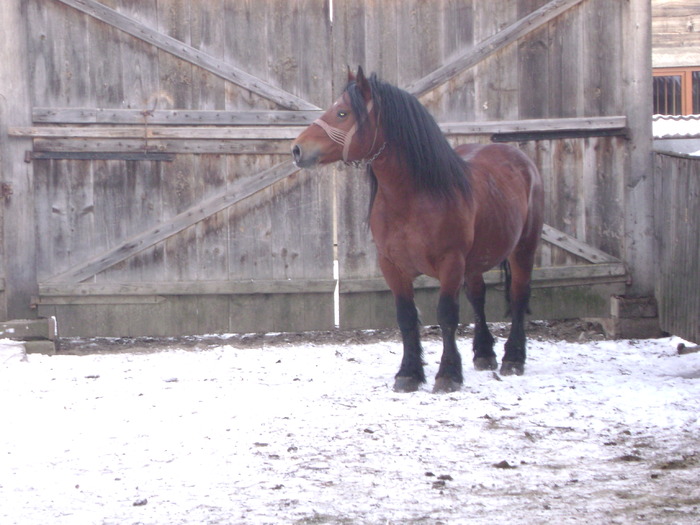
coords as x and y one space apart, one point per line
405 241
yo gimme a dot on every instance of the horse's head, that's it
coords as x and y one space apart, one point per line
341 133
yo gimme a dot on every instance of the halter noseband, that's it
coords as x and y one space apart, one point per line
344 138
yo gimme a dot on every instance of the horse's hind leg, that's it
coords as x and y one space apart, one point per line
484 356
515 347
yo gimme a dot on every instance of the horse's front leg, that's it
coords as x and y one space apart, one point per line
410 375
451 274
449 377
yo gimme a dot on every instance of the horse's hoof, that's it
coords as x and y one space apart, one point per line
406 384
512 368
485 363
446 385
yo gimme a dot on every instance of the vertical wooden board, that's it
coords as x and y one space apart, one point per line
496 87
349 39
175 73
59 237
357 253
602 58
563 201
382 52
140 76
566 52
44 43
534 87
81 210
420 40
137 208
602 195
212 233
207 34
456 97
179 189
250 224
245 47
109 179
310 64
43 214
104 65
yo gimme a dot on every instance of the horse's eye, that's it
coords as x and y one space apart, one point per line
342 114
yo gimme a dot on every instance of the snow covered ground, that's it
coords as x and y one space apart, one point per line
597 432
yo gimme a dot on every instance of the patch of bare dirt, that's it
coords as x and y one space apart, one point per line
574 330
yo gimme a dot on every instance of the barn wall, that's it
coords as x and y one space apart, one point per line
677 199
160 187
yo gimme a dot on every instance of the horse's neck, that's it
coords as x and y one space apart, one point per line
394 182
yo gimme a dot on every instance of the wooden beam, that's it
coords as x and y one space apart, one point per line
188 53
18 230
218 147
102 155
534 125
575 247
245 287
584 274
141 131
174 117
491 45
240 190
159 132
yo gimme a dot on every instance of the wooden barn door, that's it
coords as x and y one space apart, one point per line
166 202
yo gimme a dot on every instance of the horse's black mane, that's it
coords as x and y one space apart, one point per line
413 133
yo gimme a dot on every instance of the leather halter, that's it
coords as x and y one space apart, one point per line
344 138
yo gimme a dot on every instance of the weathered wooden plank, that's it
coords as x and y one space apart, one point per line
175 117
245 188
107 155
638 186
148 132
525 125
491 45
571 275
188 53
166 147
227 287
677 181
17 219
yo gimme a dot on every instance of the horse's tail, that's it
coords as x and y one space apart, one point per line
505 269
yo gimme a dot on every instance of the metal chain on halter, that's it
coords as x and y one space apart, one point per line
363 163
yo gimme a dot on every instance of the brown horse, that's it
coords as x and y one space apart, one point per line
450 214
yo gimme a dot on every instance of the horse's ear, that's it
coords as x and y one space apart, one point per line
351 75
363 84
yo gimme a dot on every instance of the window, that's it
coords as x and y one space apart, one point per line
677 91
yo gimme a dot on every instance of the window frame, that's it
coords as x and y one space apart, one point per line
686 74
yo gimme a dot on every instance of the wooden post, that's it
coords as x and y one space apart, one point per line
639 177
16 176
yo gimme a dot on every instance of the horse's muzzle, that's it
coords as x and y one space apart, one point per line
303 158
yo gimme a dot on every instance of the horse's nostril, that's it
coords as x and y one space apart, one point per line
296 153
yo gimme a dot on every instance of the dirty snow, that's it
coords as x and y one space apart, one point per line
597 432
